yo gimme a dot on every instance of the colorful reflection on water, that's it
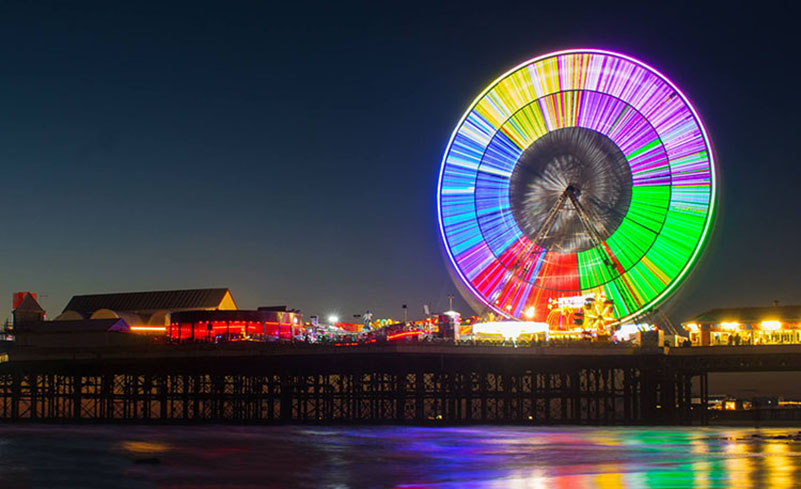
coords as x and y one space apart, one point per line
397 457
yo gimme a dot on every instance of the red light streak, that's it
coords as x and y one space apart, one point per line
403 335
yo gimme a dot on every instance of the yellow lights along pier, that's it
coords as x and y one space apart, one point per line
774 325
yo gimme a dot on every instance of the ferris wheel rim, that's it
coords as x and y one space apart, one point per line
713 190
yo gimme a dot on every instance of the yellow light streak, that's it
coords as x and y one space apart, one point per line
148 328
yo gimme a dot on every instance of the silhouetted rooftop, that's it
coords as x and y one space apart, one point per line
29 304
172 300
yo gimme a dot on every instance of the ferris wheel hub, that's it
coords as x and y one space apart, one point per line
575 161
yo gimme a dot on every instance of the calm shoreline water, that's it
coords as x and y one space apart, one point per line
78 456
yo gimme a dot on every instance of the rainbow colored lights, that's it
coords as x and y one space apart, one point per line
672 176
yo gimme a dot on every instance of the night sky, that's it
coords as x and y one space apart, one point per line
290 150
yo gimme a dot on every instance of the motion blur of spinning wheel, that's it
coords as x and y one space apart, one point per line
576 174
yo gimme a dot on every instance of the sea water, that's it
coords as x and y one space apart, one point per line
239 457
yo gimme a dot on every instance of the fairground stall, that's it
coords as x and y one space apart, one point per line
263 324
746 326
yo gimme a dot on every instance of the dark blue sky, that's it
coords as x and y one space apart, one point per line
290 152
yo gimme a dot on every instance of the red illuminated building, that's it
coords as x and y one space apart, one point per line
263 324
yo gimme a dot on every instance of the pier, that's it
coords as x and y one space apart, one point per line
399 384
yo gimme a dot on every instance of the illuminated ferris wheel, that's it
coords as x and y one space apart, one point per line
578 174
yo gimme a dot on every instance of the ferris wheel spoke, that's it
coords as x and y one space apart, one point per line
541 235
584 218
551 218
594 218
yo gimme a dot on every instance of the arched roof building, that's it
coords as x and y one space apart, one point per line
142 310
